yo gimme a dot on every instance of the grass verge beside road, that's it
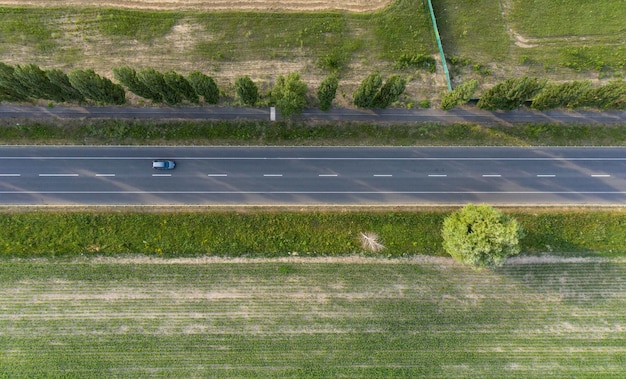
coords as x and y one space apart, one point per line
357 318
259 133
268 233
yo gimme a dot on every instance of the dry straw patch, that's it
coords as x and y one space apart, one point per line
214 5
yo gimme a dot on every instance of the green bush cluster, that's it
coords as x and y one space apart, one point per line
555 95
327 91
170 87
247 90
511 94
420 61
289 94
580 94
608 96
460 95
372 93
481 236
29 82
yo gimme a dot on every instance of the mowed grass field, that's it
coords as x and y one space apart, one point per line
559 39
345 317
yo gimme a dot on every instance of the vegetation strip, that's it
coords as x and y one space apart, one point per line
262 233
243 132
347 317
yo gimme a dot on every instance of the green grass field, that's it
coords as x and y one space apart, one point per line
561 39
215 42
424 317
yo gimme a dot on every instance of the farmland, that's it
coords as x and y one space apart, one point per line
224 44
133 316
561 39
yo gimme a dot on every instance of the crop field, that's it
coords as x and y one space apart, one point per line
353 317
560 39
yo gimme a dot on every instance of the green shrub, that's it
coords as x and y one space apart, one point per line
289 94
511 94
420 61
127 76
247 91
333 61
555 95
10 88
97 88
177 83
481 236
34 81
363 97
59 79
155 82
204 86
608 96
389 92
327 91
460 95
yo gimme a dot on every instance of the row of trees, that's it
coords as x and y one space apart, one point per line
170 87
289 94
540 94
29 82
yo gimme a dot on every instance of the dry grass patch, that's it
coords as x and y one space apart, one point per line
214 5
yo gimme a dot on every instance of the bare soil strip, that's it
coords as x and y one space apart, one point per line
214 5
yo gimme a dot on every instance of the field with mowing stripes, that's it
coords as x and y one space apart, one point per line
318 317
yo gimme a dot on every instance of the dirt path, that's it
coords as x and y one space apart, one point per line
290 5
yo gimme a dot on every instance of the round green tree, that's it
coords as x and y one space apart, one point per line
481 236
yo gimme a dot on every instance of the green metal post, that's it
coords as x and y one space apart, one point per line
443 56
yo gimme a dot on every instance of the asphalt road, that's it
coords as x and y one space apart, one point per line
308 175
468 114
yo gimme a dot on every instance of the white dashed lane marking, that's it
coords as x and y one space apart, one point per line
58 175
161 174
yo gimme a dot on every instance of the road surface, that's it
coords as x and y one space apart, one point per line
309 175
469 115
